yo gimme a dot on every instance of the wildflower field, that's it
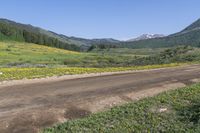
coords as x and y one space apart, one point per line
31 73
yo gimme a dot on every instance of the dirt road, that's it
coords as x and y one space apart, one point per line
27 108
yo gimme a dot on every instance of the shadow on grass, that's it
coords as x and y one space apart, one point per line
191 113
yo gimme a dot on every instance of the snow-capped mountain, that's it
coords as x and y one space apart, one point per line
147 36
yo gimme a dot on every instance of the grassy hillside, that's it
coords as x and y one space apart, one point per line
19 54
174 111
16 54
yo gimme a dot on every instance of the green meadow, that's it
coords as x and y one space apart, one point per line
169 112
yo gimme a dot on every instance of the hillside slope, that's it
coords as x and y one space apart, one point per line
189 36
28 54
21 54
10 30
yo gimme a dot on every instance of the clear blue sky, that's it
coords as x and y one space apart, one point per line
119 19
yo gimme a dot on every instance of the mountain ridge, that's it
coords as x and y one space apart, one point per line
11 30
193 26
188 36
82 43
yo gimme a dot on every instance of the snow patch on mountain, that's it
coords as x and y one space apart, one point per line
147 36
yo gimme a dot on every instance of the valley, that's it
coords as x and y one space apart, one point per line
97 85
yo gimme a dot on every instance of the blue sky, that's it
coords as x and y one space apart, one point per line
119 19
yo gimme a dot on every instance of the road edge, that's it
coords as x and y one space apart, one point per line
8 83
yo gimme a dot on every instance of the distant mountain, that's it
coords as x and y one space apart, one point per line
188 36
147 36
10 30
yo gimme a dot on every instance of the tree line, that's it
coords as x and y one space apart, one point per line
8 32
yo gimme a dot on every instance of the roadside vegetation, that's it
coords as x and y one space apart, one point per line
26 60
173 111
127 51
156 56
31 73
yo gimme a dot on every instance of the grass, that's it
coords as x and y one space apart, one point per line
128 51
19 54
29 55
31 73
20 60
27 61
12 53
173 111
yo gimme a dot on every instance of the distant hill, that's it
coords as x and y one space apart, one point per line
10 30
192 27
189 36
